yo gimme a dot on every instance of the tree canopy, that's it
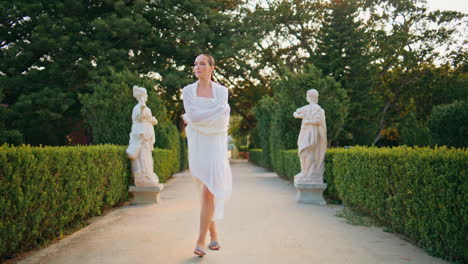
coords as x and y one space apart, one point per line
392 58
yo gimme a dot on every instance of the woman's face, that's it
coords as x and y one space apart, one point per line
202 68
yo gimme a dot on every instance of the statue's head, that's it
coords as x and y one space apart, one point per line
312 96
140 93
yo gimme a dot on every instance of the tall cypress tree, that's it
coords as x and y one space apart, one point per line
342 52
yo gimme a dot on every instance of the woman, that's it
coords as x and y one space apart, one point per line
207 118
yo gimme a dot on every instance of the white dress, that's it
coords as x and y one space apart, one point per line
207 124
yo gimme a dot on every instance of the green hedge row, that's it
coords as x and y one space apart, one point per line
257 156
288 165
421 193
46 192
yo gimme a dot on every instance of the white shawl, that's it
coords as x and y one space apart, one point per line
208 116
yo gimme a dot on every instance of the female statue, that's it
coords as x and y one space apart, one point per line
142 140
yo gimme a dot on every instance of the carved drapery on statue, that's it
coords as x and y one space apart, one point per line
142 141
312 141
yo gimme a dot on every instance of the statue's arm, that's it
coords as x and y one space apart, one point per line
148 115
313 122
154 121
299 113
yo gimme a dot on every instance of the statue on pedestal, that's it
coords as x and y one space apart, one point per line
142 140
312 143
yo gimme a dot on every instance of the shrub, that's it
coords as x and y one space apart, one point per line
49 191
183 156
8 135
418 192
263 113
448 124
413 133
168 137
255 156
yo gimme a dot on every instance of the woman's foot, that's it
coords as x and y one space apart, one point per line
214 245
199 252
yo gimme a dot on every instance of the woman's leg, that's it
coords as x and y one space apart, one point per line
206 215
213 233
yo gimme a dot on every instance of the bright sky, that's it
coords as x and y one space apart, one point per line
453 5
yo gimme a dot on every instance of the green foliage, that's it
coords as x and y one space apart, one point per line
418 192
9 136
236 131
54 50
183 156
413 133
257 156
165 163
383 53
290 94
448 124
438 86
168 137
264 113
45 63
108 110
49 191
343 53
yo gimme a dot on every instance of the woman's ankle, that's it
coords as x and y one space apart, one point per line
214 237
201 243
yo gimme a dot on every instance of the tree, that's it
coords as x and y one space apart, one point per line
396 40
343 53
7 135
413 132
448 124
52 49
405 37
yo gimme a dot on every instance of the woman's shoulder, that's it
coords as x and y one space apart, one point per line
188 89
189 86
220 88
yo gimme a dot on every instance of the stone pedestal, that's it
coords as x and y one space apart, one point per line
146 194
310 193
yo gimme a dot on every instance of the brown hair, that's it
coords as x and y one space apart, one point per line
211 60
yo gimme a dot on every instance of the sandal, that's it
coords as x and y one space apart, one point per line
214 245
199 252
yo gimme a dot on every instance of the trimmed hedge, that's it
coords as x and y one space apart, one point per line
289 165
49 191
419 192
259 157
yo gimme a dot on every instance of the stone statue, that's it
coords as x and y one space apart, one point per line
142 140
312 141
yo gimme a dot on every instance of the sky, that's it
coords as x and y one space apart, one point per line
453 5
